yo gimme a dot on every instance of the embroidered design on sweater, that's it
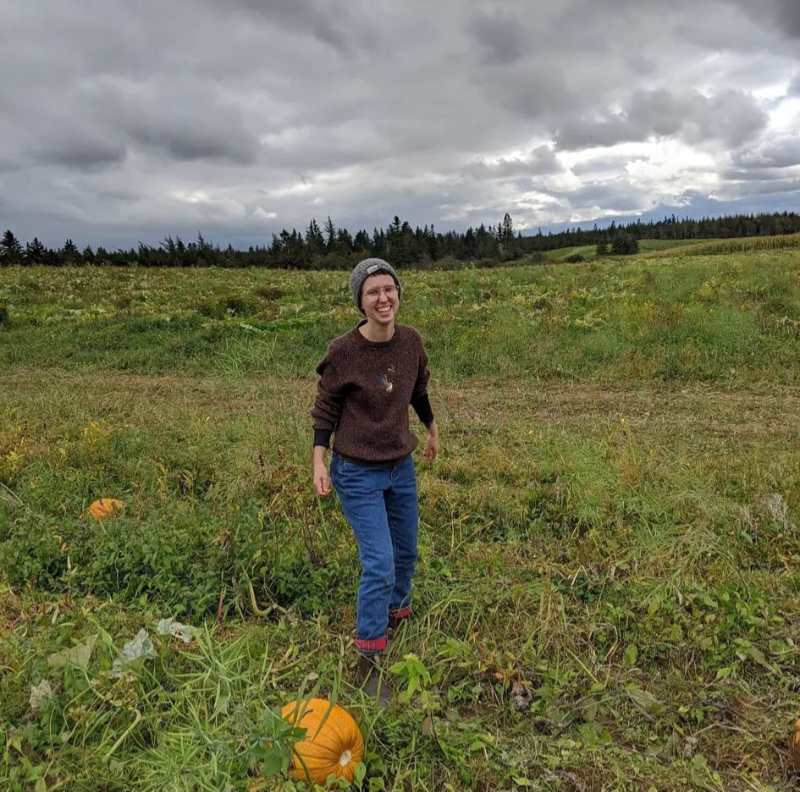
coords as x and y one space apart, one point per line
387 380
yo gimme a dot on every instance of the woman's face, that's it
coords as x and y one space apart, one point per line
380 298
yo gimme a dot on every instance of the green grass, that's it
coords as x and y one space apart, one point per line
606 596
590 251
685 247
715 318
724 247
559 254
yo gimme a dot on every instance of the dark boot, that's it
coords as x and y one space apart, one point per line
370 679
395 622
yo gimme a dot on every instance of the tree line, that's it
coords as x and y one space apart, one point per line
332 247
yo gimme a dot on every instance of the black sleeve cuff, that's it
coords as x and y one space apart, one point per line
422 407
322 437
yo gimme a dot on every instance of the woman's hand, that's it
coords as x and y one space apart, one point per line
432 446
322 480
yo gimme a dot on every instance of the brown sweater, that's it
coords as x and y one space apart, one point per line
363 394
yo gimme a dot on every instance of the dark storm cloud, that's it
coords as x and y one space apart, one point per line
81 151
183 142
185 123
613 195
540 161
780 153
117 195
788 14
498 37
330 23
783 16
730 117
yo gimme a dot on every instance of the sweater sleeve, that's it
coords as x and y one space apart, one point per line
322 437
419 398
422 407
423 375
328 402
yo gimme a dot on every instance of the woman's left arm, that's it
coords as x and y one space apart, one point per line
432 446
422 406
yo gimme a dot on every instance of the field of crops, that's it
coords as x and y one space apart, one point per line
610 560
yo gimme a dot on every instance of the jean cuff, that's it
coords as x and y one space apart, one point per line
372 646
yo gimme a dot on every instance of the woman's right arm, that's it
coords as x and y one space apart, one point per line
326 412
322 480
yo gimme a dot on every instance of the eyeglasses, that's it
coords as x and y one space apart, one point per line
375 292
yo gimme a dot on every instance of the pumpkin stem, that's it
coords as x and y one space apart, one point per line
345 758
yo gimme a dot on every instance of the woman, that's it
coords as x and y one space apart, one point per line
368 378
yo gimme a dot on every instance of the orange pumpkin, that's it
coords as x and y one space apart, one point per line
334 747
106 507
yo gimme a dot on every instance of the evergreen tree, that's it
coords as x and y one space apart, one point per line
10 250
361 241
401 244
402 247
394 242
433 245
624 244
379 243
486 242
168 246
315 242
34 252
330 235
344 242
69 253
506 232
470 246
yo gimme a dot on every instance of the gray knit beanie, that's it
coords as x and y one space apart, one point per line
363 270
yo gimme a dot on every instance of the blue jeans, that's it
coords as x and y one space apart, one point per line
382 508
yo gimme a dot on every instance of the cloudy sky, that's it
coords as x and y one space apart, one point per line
126 121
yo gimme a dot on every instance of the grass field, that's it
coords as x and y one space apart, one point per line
686 247
607 590
590 251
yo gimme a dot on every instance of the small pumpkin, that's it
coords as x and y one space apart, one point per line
106 507
333 747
